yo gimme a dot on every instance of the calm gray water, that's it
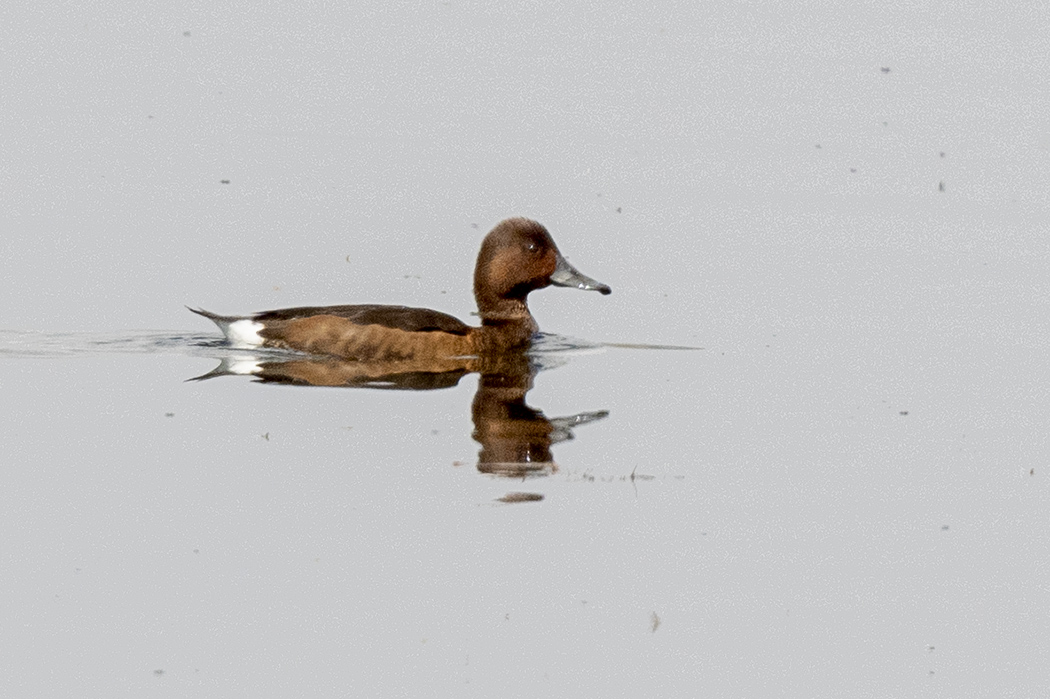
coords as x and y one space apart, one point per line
841 492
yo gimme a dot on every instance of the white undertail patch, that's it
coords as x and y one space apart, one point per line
243 333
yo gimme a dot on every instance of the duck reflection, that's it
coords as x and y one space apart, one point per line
515 438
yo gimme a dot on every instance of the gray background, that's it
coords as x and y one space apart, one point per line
748 178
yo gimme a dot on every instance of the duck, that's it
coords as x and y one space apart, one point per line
517 257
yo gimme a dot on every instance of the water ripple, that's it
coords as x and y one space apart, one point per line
34 344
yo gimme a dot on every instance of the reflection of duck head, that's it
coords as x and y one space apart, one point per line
517 257
515 438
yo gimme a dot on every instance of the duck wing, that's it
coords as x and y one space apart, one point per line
394 317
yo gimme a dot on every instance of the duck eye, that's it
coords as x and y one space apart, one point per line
532 246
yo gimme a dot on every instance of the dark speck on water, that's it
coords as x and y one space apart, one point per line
521 497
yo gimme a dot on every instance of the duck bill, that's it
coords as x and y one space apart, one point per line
568 276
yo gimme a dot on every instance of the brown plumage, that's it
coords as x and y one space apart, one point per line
517 257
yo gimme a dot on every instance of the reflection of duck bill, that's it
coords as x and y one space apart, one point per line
562 426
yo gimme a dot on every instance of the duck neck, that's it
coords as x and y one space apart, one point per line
506 324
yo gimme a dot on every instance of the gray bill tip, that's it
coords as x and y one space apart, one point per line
568 276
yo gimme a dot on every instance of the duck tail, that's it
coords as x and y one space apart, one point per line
240 331
214 317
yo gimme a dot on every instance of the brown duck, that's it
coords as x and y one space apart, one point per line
518 256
